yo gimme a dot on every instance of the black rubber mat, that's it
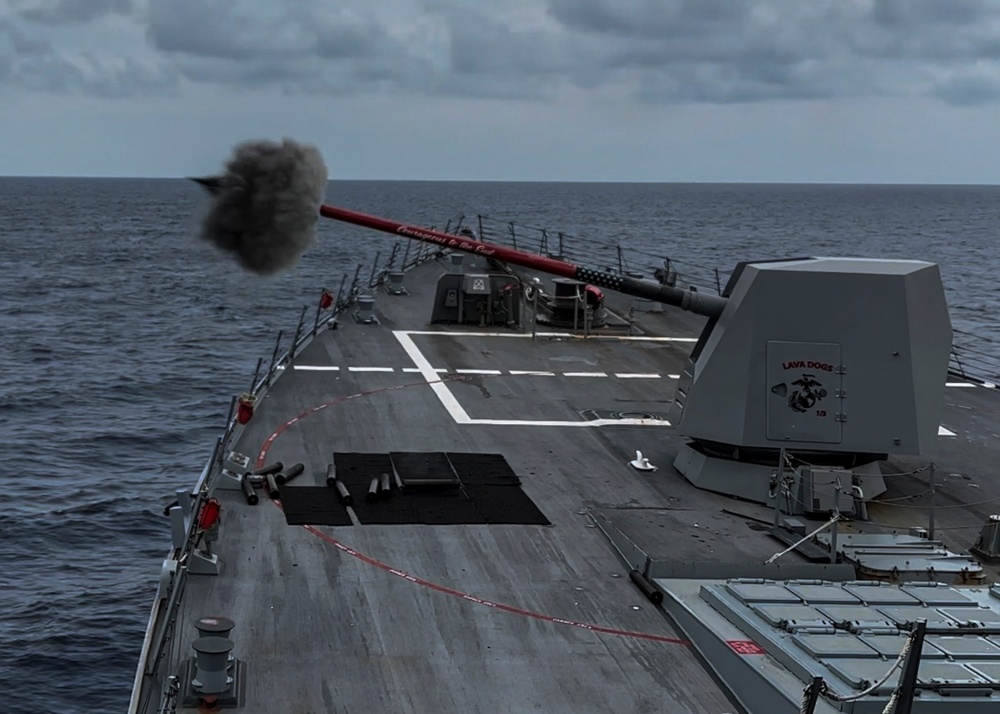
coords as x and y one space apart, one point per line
483 469
415 469
490 482
313 506
433 509
489 491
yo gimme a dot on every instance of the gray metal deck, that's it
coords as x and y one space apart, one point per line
417 618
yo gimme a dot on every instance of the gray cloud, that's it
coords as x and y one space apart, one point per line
87 75
719 51
216 30
29 62
654 19
303 48
62 12
968 87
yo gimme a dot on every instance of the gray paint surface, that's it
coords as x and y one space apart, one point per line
323 628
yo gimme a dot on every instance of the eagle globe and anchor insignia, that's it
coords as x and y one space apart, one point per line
809 392
804 392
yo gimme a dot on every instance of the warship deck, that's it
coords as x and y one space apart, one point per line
474 617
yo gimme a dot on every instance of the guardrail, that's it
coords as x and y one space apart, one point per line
159 636
973 357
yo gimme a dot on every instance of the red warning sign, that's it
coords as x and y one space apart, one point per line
745 647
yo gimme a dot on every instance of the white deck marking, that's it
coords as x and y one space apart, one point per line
585 374
636 375
638 338
315 368
430 375
959 384
478 371
593 422
945 432
458 413
370 369
530 373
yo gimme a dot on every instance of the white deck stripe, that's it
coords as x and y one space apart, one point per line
444 394
945 432
533 373
637 338
460 416
591 423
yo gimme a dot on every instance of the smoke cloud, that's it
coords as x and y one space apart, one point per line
266 204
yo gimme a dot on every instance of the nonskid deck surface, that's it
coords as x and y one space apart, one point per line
496 617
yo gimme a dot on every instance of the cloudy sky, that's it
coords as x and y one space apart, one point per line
644 90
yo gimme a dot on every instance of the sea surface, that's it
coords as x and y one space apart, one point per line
123 338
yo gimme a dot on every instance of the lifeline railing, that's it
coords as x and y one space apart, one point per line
160 635
973 357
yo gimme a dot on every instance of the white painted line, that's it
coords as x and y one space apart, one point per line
592 423
460 416
673 376
530 373
636 375
945 432
444 394
584 374
369 369
478 371
413 370
959 384
315 368
636 338
989 385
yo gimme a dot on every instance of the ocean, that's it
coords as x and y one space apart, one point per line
124 338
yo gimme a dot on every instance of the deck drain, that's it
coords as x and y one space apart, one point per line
594 414
636 415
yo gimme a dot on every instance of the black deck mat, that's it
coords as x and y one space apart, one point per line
446 507
483 469
433 509
414 467
490 482
353 468
489 493
313 506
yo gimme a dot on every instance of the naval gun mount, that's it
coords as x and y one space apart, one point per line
834 362
839 362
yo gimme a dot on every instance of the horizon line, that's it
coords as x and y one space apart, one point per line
540 181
